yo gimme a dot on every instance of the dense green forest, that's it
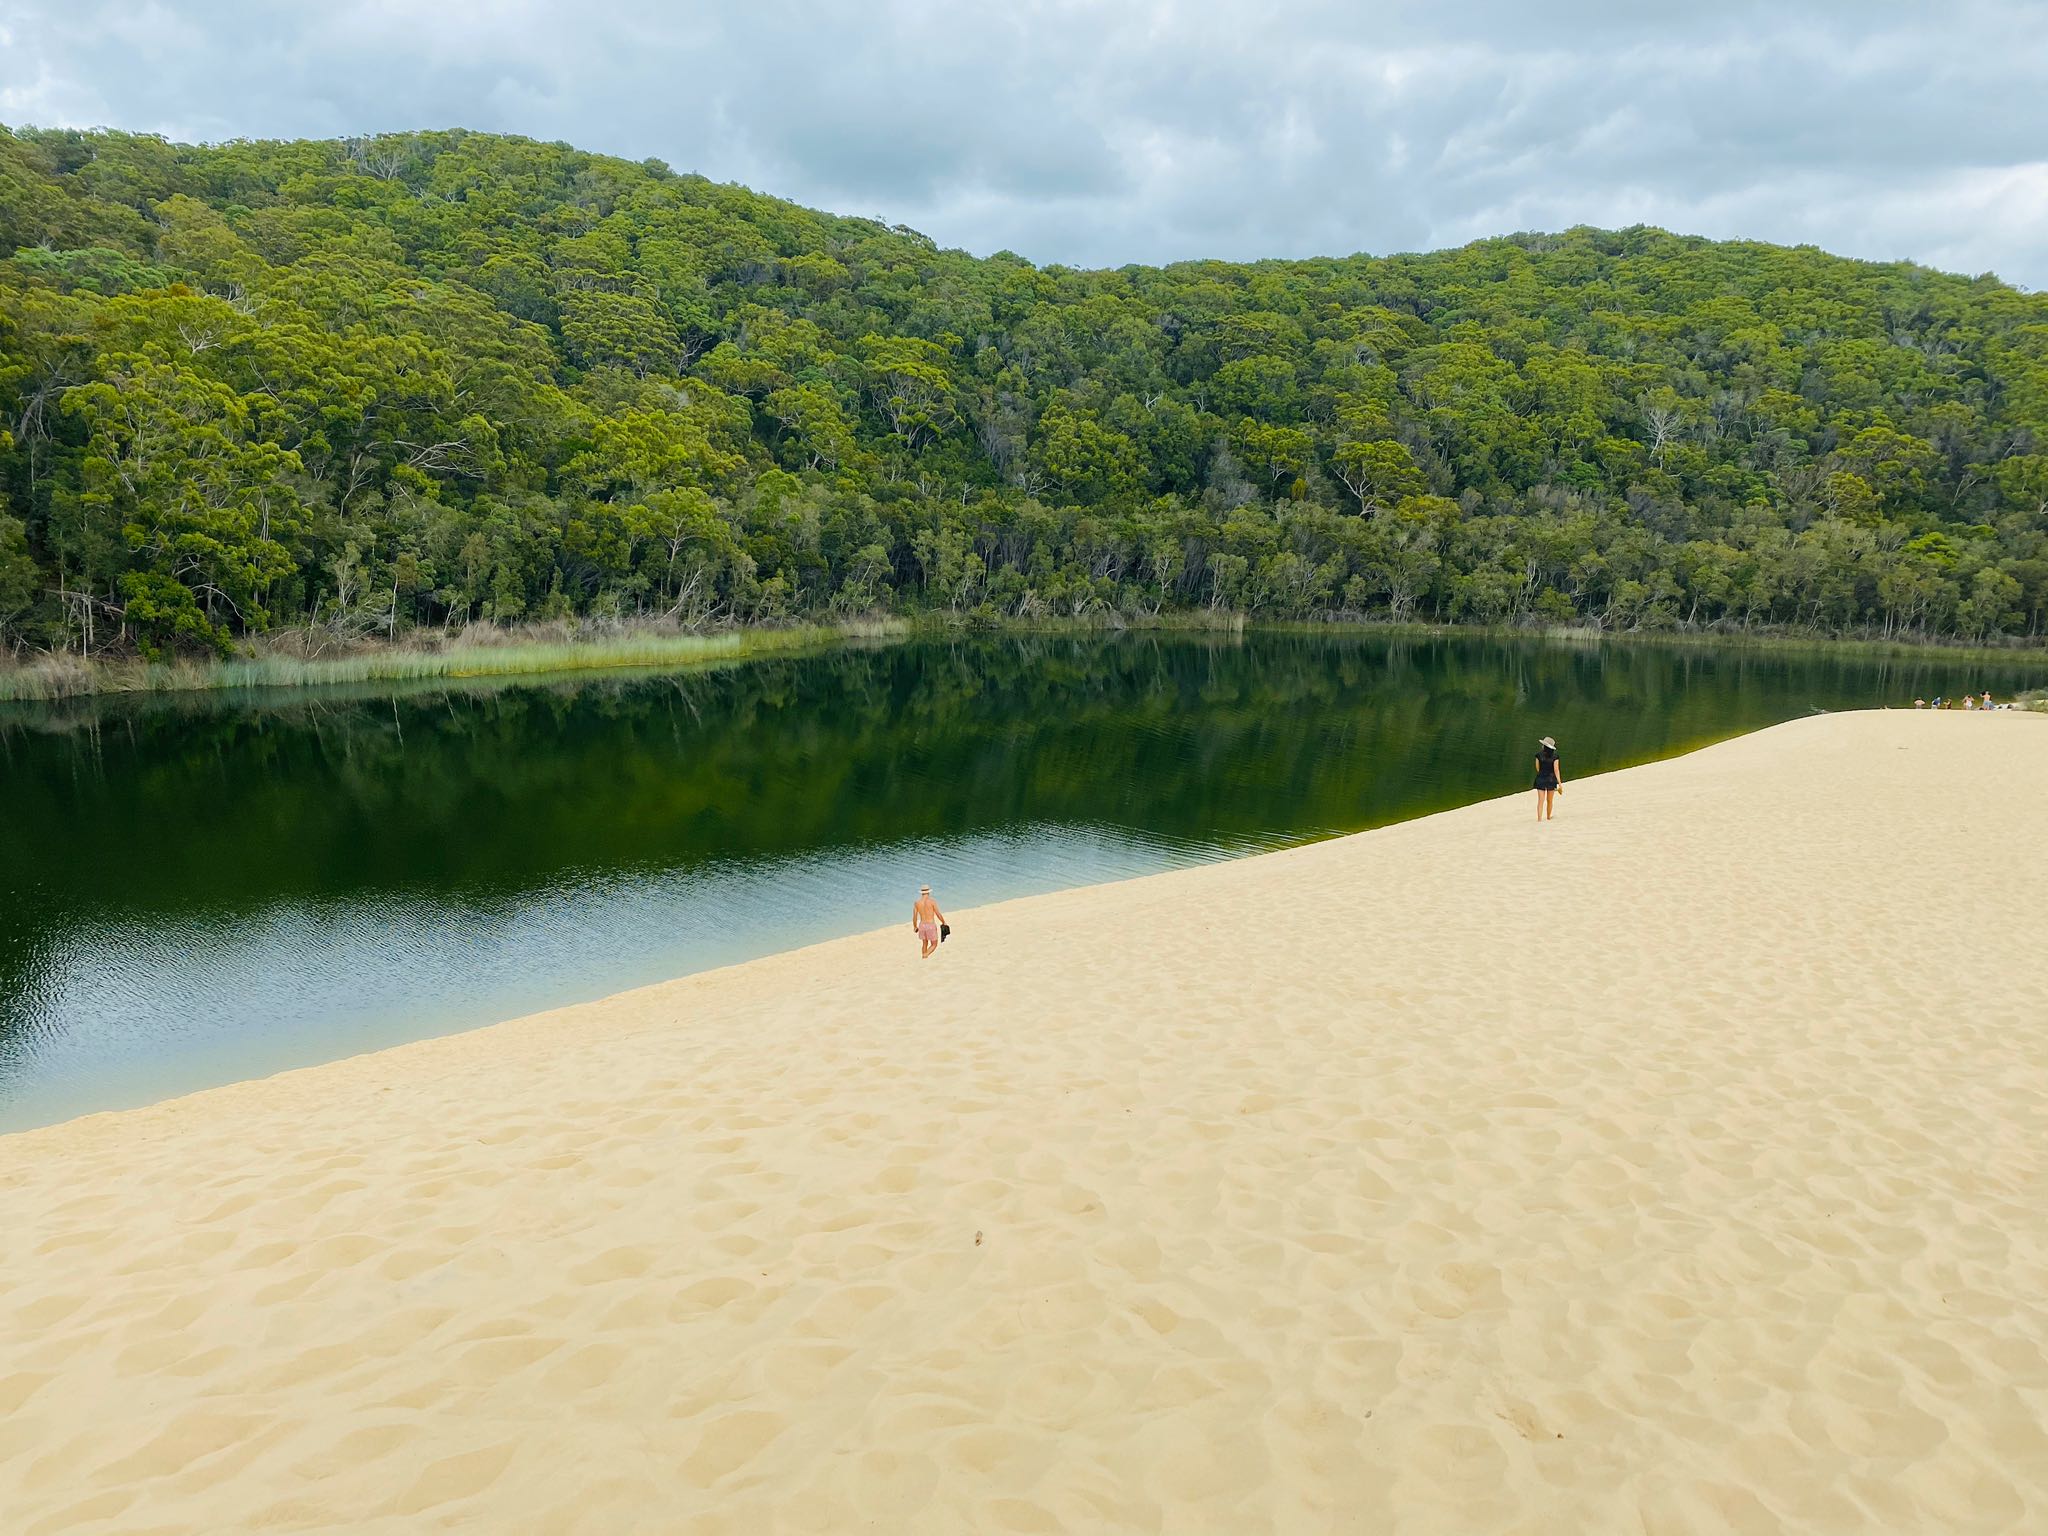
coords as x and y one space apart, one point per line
359 387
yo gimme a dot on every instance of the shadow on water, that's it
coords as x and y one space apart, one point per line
203 888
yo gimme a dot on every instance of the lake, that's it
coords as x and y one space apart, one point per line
202 888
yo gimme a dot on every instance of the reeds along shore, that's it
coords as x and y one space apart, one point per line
479 652
294 659
1673 1166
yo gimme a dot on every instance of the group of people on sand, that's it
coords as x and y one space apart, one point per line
1968 701
932 929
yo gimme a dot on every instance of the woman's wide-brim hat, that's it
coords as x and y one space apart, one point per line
1547 742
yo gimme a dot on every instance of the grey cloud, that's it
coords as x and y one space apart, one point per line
1097 133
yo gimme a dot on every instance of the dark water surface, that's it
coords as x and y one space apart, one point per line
199 889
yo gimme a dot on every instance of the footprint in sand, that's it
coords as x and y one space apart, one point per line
497 1360
51 1310
17 1389
454 1477
587 1369
100 1507
615 1264
729 1443
799 1371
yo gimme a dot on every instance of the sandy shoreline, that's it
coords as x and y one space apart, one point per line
1680 1166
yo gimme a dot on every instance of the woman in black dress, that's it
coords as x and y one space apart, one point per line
1549 778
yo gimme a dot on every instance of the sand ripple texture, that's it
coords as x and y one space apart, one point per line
1681 1166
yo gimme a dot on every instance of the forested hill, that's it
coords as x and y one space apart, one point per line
437 378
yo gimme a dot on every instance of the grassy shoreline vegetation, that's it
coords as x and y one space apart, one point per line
490 652
272 411
478 653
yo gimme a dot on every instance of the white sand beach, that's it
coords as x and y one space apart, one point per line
1678 1166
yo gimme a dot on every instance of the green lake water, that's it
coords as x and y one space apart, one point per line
198 889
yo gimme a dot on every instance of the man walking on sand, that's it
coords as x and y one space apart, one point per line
927 919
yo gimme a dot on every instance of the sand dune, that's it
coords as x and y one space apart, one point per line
1681 1166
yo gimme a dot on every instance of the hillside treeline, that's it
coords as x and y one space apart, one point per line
438 379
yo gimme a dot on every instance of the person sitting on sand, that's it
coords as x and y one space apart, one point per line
1549 778
1919 703
926 918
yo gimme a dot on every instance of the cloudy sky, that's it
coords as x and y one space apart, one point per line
1150 130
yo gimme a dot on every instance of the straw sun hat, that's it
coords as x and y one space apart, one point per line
1547 742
